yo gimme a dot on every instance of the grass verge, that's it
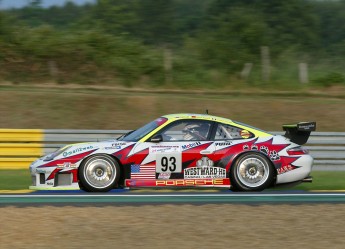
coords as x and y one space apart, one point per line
15 179
322 180
125 109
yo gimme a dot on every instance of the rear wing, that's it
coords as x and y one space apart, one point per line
300 132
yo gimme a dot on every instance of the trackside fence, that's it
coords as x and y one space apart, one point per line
20 147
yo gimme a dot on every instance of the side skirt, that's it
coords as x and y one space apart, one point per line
178 183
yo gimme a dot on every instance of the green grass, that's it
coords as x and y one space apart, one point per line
324 180
15 179
20 179
69 108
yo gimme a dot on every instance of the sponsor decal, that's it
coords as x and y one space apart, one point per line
117 144
75 151
245 134
223 144
205 172
274 155
285 169
165 149
190 182
169 162
177 182
307 127
143 171
113 148
189 146
41 171
134 182
67 165
264 149
204 162
164 175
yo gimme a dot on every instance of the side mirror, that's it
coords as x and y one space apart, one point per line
156 138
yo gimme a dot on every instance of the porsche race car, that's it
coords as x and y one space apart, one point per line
181 150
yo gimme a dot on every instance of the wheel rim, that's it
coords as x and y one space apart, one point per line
100 173
253 172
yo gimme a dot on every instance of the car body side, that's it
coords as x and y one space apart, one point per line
62 171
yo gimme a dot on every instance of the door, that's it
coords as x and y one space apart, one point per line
185 145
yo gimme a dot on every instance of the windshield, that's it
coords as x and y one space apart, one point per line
138 134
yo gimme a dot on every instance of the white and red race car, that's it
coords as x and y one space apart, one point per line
181 150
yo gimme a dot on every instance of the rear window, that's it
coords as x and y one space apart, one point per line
225 132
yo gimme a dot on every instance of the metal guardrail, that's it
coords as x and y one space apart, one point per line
18 148
328 150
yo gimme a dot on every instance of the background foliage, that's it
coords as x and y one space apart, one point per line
122 42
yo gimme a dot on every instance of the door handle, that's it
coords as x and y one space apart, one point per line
206 152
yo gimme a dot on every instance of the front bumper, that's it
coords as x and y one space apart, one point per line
52 178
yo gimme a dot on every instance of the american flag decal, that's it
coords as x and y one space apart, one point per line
143 171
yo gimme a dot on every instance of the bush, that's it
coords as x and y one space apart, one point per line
332 78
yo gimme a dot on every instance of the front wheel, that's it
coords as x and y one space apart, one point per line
99 173
251 172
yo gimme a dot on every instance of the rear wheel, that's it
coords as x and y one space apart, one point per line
99 173
251 172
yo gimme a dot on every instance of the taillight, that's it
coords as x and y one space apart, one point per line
297 151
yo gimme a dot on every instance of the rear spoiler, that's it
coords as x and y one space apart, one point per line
300 132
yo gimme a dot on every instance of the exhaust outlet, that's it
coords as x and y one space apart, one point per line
308 179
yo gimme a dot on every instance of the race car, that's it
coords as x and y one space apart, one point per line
181 150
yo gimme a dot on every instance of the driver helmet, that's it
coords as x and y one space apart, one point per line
195 132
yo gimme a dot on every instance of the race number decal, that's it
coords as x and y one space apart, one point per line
168 163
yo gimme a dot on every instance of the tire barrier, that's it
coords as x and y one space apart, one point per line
20 147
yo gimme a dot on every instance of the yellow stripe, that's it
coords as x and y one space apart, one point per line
18 191
327 190
172 118
54 188
21 135
21 149
16 163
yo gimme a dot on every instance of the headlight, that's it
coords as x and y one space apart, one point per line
51 156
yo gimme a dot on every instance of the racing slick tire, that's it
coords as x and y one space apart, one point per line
81 186
251 172
99 173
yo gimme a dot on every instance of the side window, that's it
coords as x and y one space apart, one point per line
187 130
231 132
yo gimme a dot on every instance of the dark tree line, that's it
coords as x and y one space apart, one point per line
124 38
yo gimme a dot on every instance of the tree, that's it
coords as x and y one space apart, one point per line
331 29
116 17
292 23
156 18
35 4
233 37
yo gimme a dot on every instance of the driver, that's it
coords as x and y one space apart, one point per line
195 131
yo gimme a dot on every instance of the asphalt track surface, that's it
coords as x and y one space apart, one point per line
130 197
